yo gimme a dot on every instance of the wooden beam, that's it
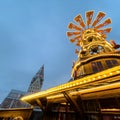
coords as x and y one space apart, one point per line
76 107
40 104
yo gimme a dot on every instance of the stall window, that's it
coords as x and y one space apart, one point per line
100 67
114 62
97 66
111 63
94 67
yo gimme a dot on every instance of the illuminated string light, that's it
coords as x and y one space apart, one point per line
111 73
84 81
99 77
80 82
118 71
89 80
105 75
74 84
77 83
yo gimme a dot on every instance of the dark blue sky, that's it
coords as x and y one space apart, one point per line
33 33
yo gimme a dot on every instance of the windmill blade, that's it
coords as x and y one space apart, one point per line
76 51
72 40
80 20
104 31
69 34
77 38
99 16
73 26
89 16
106 22
78 44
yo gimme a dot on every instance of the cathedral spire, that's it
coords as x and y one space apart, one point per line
37 81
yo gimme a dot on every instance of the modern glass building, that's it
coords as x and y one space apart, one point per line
13 100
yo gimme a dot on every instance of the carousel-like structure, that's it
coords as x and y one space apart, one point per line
96 53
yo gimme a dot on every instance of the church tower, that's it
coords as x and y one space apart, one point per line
37 81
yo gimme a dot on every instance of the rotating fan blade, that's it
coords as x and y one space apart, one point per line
89 16
77 38
69 34
78 44
72 40
80 20
76 51
98 18
73 26
106 22
104 31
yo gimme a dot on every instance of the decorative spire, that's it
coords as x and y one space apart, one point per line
37 81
